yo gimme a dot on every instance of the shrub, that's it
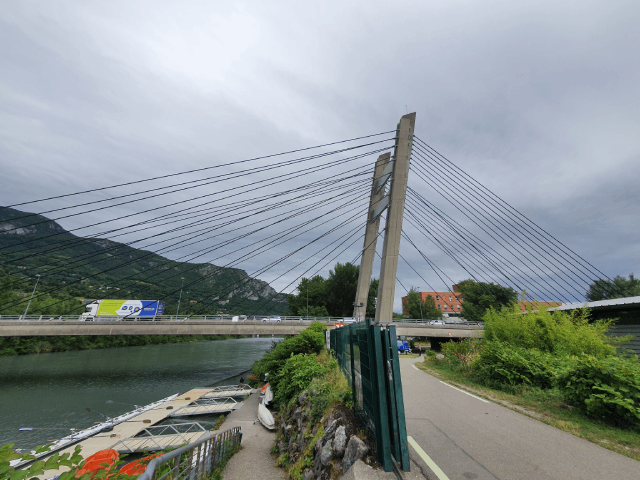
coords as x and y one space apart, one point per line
310 341
504 364
558 332
607 387
462 354
430 353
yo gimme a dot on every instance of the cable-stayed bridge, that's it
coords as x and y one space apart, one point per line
292 215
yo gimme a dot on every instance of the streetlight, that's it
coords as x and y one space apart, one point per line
307 300
180 297
420 303
34 291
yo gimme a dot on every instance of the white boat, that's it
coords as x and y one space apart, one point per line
265 417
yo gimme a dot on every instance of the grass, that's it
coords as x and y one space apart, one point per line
543 405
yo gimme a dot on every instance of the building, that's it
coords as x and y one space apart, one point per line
451 302
446 302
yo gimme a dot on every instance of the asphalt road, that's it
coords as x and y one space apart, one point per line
469 438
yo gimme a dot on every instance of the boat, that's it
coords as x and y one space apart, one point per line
265 417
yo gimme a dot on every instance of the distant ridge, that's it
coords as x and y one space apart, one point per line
76 263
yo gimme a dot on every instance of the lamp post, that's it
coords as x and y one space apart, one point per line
307 300
420 303
180 297
34 291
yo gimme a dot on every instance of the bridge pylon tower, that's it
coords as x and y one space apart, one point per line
395 170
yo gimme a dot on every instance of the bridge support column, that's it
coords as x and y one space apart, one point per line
393 227
370 239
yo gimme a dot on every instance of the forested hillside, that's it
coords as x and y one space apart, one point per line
73 268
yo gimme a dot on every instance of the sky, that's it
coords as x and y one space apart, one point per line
535 100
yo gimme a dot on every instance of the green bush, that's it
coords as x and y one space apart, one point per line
295 376
503 364
561 333
607 388
310 340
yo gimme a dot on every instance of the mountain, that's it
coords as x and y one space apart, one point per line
94 268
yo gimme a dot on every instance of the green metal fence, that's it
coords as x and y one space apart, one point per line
368 355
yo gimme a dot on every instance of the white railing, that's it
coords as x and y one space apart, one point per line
171 318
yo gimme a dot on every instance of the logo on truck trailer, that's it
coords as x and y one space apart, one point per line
133 308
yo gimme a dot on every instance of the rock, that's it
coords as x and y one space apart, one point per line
318 446
340 441
317 463
293 448
329 418
355 450
296 414
359 471
328 433
282 447
308 474
302 397
327 453
300 438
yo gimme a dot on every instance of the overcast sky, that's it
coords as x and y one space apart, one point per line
536 100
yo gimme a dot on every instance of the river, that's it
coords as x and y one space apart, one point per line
50 392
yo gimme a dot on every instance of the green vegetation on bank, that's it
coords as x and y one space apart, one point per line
26 345
301 364
560 365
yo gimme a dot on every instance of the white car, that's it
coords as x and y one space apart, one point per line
436 322
271 319
349 320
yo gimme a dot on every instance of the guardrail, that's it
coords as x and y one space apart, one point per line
171 318
193 461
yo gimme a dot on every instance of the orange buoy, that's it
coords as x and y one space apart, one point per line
264 387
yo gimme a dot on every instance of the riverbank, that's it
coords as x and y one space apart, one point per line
10 346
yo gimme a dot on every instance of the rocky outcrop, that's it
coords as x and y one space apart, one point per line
323 449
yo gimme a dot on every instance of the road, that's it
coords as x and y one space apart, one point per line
470 438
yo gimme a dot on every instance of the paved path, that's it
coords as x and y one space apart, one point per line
254 460
470 438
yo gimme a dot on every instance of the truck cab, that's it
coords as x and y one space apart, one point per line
90 314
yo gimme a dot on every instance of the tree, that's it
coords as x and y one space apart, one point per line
341 289
478 297
371 300
417 309
619 287
314 288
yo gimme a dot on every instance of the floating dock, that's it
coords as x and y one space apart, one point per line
138 430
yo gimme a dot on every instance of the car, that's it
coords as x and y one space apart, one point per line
436 322
349 320
271 319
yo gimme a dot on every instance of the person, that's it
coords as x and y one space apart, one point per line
241 381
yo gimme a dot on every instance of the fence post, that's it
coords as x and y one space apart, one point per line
393 226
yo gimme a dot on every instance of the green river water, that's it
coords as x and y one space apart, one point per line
51 392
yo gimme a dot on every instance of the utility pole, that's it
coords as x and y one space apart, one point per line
420 303
32 293
393 227
307 300
371 233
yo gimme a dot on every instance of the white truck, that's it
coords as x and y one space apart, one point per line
131 309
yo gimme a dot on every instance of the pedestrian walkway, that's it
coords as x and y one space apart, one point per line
456 435
254 460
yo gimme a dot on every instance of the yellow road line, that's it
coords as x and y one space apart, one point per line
427 459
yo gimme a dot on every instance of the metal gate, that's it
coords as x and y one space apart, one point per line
368 355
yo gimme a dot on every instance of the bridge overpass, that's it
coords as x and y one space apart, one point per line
51 328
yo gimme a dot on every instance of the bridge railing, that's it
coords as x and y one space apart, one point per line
194 461
172 318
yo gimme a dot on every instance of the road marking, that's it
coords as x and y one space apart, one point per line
416 368
427 459
460 390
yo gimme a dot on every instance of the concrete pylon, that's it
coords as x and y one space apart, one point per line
393 227
370 239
